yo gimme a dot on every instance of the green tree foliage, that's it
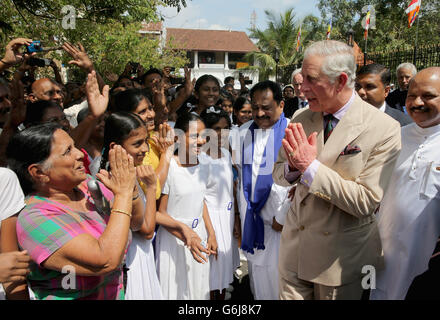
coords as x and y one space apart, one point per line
107 29
392 30
280 36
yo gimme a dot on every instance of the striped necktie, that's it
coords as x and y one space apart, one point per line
303 104
329 126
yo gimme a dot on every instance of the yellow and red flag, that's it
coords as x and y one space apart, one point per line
329 29
298 39
367 23
413 11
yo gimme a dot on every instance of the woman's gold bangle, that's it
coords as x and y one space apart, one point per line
120 211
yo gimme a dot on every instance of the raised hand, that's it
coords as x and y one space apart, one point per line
164 141
79 55
121 179
188 85
147 175
97 102
14 266
12 53
159 98
241 80
300 149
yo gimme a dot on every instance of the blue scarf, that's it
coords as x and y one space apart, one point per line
253 231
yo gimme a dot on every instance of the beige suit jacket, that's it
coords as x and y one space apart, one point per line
330 231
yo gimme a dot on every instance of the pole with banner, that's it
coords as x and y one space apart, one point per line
413 14
367 26
329 29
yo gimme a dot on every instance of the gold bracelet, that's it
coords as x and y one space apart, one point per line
120 211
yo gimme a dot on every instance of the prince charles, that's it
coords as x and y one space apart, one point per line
339 155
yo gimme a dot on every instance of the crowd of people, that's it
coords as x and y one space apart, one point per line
151 190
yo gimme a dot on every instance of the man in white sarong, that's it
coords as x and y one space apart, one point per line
262 204
409 215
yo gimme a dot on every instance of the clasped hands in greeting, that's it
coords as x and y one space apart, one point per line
300 149
197 247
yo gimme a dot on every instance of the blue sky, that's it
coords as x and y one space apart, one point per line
232 14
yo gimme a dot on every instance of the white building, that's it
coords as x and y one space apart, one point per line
216 52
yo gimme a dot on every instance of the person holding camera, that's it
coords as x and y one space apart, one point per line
12 54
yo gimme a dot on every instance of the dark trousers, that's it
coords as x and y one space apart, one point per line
426 286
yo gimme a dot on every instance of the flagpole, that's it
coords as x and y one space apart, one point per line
365 53
367 26
417 36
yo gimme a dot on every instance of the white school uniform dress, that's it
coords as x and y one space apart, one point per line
181 277
142 279
220 202
263 264
409 214
11 201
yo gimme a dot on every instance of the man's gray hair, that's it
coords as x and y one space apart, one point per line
294 73
406 65
339 57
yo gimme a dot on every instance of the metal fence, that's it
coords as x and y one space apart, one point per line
284 73
422 58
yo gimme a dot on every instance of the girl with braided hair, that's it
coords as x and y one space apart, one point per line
128 130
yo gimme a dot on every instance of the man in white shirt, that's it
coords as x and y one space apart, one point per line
262 203
409 219
373 86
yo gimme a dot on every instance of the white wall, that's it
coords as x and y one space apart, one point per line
221 74
220 71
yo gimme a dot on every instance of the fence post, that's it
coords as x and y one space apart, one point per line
415 55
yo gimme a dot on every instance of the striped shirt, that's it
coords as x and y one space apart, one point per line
43 227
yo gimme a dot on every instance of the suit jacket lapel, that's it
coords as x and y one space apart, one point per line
311 123
348 128
314 122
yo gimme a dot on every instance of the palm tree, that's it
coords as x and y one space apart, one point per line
280 36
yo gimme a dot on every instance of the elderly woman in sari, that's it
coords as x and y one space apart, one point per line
75 229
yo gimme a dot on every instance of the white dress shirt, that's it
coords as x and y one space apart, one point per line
276 205
409 214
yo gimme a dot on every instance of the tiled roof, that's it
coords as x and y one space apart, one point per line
210 40
151 26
